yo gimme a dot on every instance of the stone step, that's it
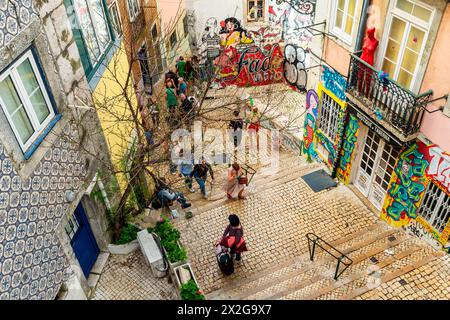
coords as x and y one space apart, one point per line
329 289
260 278
259 183
325 269
328 285
249 281
395 274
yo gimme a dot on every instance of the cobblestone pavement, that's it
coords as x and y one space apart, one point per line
127 277
276 221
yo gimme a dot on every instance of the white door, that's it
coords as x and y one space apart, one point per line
375 169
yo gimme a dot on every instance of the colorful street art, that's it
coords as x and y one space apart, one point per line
348 149
294 67
334 82
439 168
293 16
407 188
255 66
240 57
417 167
312 109
331 146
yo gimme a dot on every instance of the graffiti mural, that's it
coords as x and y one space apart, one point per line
348 149
312 109
334 82
439 168
294 67
293 16
406 189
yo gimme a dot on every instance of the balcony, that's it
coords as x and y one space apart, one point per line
384 100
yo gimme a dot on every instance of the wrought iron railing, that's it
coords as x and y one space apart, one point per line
386 98
342 259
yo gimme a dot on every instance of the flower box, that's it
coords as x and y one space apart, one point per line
181 280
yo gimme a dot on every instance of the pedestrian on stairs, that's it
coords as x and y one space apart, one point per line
236 181
200 173
233 237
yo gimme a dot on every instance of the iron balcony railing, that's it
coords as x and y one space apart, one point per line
392 103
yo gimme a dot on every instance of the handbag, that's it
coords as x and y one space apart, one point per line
243 180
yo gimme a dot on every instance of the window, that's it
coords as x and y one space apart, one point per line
185 26
115 18
155 32
90 31
404 44
173 39
435 208
255 10
343 19
133 9
72 227
329 117
24 100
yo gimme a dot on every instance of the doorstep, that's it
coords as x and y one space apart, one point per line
364 200
96 271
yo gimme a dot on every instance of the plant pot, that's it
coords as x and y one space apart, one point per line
178 281
173 265
126 248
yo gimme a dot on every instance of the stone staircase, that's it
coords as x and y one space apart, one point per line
291 167
389 252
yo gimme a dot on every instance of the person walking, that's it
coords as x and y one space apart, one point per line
233 237
255 124
235 183
182 86
154 111
186 167
237 124
181 67
200 173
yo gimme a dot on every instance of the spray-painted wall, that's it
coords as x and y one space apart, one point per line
418 166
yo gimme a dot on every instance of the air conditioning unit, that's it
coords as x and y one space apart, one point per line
152 253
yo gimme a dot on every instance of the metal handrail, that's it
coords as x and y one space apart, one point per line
399 106
416 96
341 257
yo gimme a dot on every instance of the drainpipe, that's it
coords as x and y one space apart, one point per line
362 26
358 46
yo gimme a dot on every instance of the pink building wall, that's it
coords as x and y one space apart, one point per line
436 126
168 11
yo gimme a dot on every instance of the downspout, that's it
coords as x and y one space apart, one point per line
358 47
362 26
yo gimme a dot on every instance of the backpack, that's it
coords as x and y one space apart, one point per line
156 203
225 261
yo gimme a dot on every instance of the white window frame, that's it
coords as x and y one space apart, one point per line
263 9
325 125
114 4
133 15
339 31
23 95
410 20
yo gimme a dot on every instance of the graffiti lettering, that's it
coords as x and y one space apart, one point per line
334 82
406 191
439 167
294 67
348 147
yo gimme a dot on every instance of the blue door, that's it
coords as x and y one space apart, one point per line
82 240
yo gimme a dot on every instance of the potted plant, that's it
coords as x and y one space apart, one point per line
191 291
169 237
127 242
187 283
